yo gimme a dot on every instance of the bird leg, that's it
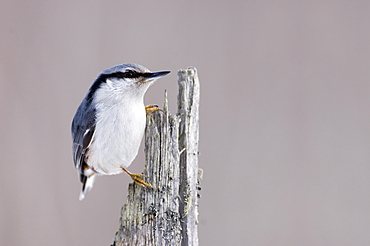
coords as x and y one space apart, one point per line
137 178
152 108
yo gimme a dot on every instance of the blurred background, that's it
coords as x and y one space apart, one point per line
284 130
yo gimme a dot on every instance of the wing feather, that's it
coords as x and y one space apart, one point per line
83 129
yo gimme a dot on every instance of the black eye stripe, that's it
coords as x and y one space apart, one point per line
128 74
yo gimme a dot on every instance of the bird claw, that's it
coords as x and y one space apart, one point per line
152 108
137 178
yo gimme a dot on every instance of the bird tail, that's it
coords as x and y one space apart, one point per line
87 184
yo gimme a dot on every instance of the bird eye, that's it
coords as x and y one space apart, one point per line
130 74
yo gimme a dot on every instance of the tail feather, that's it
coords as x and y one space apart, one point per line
87 184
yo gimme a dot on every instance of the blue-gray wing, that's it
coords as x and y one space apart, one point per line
83 128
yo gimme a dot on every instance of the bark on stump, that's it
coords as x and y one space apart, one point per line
167 214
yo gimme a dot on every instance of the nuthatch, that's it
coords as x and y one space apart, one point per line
109 123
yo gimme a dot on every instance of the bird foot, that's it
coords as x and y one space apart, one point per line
137 178
152 108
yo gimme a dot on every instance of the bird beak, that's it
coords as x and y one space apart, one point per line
156 74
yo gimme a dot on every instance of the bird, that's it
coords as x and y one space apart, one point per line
109 124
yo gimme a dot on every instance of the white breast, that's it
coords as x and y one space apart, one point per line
119 129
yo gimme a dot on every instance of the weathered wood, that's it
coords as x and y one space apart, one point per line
167 214
188 112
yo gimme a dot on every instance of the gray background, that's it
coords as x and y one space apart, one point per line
285 143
